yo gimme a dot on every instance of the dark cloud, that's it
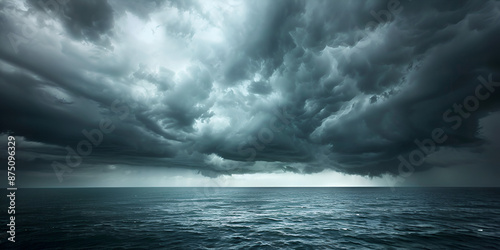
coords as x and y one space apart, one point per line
141 9
250 87
89 20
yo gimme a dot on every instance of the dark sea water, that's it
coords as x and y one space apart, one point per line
256 218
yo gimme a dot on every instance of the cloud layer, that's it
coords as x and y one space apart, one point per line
245 86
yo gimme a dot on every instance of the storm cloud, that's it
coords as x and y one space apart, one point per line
236 87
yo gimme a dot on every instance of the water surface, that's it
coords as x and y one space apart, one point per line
257 218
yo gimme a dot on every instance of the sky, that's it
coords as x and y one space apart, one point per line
251 93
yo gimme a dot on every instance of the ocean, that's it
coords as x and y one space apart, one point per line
256 218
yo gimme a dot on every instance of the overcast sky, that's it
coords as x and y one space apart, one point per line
251 93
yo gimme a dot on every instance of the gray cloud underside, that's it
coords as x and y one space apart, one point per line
295 86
